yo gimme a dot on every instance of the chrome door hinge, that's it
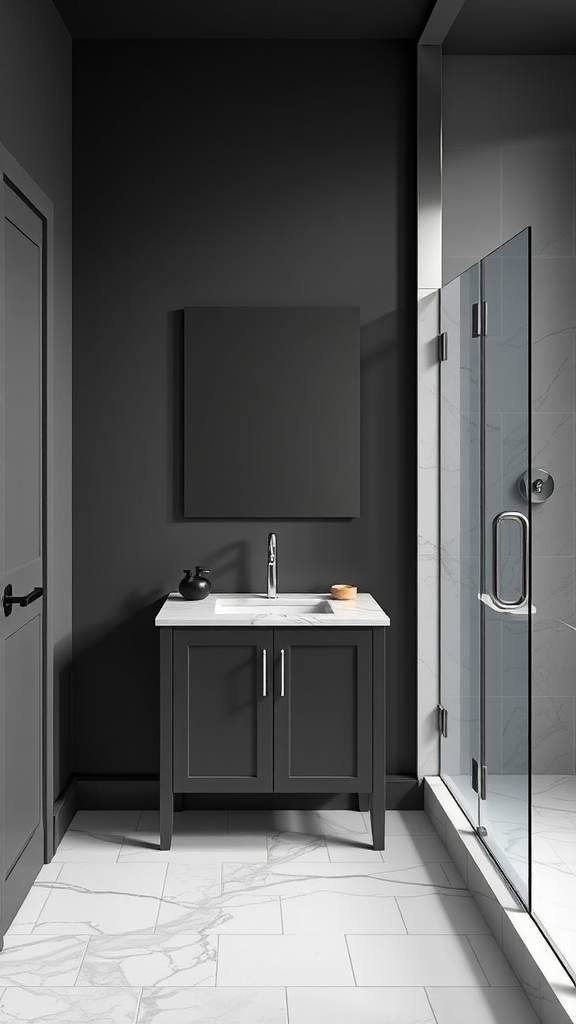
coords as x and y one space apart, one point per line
442 720
442 347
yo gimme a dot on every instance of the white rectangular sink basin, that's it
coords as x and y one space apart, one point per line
284 605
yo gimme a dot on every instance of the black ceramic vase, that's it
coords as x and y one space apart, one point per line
196 588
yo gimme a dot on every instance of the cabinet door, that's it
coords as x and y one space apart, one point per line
323 712
223 710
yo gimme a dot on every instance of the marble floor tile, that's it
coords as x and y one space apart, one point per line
288 846
363 879
346 848
414 960
235 915
187 883
492 961
480 1006
30 910
187 822
414 849
41 960
213 1006
69 1006
110 823
283 960
143 848
133 960
408 823
103 899
48 873
455 914
359 1006
315 823
82 846
340 913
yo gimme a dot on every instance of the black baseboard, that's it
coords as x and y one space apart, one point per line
104 792
64 809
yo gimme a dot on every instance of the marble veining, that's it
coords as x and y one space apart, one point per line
224 942
362 610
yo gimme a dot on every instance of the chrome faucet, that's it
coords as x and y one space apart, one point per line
272 566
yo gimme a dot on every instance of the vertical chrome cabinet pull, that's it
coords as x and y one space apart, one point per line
264 654
282 672
520 518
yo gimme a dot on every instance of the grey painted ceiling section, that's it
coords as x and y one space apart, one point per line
514 27
244 19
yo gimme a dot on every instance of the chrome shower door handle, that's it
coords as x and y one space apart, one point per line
520 518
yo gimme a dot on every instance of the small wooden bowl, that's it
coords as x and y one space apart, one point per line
343 591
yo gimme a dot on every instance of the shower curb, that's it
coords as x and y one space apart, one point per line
549 987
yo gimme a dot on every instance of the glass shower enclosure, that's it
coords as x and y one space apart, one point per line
485 557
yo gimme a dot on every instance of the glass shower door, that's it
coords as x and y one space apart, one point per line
460 555
485 550
505 679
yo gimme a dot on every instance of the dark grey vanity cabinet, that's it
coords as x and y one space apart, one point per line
281 710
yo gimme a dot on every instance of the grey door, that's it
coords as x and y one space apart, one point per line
21 550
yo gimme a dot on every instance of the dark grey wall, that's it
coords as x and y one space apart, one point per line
36 128
267 173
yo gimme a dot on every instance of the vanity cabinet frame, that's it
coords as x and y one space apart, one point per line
298 713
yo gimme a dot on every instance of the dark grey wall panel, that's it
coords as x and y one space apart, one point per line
269 393
271 174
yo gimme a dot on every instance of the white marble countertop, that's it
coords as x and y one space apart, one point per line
362 610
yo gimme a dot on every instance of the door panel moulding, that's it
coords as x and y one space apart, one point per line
18 178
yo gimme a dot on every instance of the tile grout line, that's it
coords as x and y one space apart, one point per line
395 898
467 937
350 959
82 961
434 1017
217 960
286 1004
138 1005
281 916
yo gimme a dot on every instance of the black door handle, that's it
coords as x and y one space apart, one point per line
8 599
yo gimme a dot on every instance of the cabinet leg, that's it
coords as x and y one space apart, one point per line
377 805
166 820
363 801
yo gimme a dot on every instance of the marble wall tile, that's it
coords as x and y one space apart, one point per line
538 189
553 735
471 94
471 200
553 374
515 735
553 296
553 450
537 101
553 588
453 266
